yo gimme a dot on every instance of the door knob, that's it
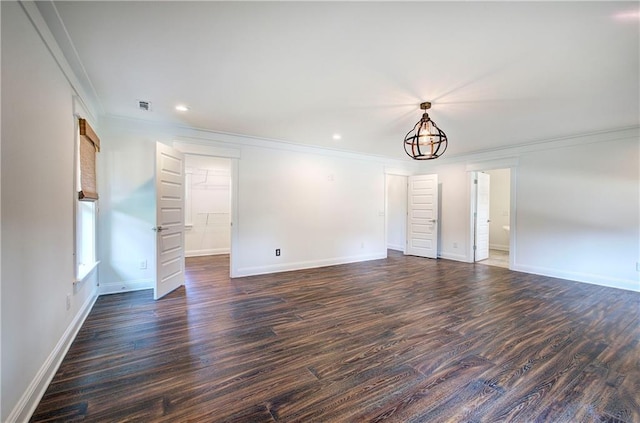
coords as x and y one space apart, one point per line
159 229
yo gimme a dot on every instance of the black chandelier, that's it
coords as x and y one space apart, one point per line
425 141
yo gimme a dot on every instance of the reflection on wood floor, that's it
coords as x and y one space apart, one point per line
404 339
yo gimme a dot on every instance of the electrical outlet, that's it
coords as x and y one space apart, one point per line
143 264
68 301
277 252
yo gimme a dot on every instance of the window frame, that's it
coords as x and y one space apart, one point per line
85 217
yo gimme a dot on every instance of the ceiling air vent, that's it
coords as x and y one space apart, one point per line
145 106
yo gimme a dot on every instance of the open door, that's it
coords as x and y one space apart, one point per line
169 220
422 219
482 216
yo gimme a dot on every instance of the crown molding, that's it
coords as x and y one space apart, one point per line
509 152
45 19
188 135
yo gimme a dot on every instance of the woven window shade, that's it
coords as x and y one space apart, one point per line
89 146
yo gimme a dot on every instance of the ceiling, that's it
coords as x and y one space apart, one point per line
498 73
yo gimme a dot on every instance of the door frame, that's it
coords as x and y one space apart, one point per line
510 163
475 207
202 149
405 174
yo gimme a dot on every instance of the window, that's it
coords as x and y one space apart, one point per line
86 238
88 145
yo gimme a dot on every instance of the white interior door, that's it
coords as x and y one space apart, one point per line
482 216
422 219
169 220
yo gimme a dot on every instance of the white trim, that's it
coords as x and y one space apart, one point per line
126 286
198 136
193 135
471 170
301 265
396 247
201 149
507 162
399 172
1 257
233 154
513 200
454 257
31 397
234 252
33 12
515 150
206 252
91 269
594 279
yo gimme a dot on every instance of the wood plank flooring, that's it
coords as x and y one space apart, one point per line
404 339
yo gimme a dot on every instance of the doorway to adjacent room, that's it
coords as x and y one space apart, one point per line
492 217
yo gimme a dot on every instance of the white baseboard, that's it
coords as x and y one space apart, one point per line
206 252
125 286
276 268
453 256
627 284
396 247
30 399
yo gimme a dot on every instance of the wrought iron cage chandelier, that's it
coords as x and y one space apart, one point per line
425 141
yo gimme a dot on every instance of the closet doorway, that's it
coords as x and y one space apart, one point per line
207 205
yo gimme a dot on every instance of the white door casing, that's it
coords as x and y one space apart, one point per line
422 219
482 216
169 228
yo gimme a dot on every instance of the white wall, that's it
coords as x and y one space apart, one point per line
454 206
127 208
207 205
578 208
37 217
578 212
499 208
318 210
317 207
396 212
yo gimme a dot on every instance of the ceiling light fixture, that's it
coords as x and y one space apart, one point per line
337 137
425 141
182 108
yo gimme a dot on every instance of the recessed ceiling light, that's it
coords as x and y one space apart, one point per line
337 137
182 108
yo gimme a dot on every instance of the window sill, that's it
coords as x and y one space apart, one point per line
85 271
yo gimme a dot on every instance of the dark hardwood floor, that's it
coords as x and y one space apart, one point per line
403 339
